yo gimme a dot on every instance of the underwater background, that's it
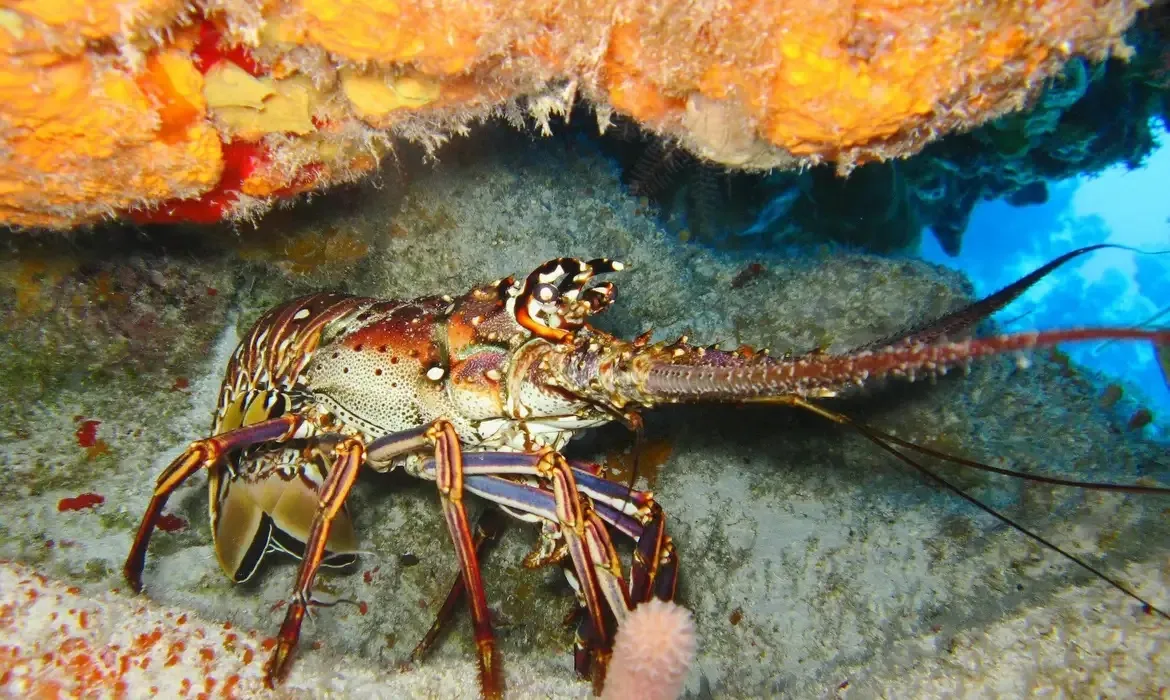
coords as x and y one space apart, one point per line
815 564
1129 207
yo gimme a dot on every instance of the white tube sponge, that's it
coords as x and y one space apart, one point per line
652 652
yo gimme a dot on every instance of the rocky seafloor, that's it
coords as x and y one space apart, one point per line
815 564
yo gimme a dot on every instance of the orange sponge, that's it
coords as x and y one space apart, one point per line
130 106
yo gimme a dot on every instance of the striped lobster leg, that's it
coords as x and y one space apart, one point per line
582 505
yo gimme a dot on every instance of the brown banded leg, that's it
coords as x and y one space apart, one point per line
595 561
350 454
666 585
655 567
201 454
565 499
487 531
449 478
587 648
653 573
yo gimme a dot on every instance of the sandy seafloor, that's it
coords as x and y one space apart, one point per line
815 565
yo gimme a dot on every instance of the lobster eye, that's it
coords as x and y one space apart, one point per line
546 293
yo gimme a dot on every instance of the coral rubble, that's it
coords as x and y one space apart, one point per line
207 110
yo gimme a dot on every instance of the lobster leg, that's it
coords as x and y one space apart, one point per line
654 568
449 478
350 454
614 502
561 505
487 530
596 568
201 454
633 513
589 482
593 539
653 573
581 504
589 544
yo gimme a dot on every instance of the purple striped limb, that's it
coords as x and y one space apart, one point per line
202 454
350 454
450 479
582 505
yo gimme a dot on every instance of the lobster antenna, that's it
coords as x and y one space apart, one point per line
1162 312
971 314
639 438
878 439
1092 485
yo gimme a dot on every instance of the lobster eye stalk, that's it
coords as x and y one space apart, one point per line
554 300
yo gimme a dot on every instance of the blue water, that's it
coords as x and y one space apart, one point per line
1109 287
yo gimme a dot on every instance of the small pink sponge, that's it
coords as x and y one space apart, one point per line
652 652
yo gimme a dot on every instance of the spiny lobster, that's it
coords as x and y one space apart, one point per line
479 394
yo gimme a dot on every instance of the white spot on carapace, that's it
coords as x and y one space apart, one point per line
435 373
303 313
493 374
617 266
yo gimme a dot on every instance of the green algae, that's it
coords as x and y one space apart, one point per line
95 571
